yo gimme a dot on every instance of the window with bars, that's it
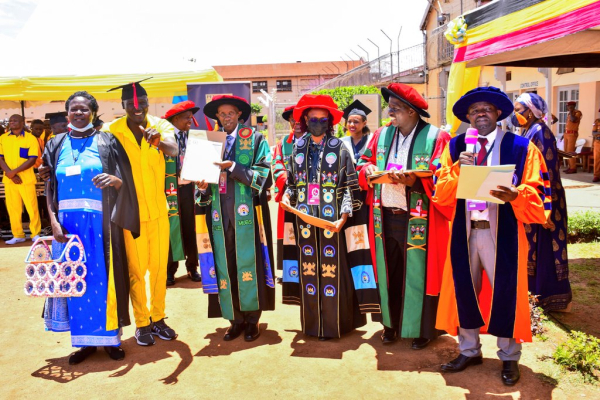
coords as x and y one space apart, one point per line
258 85
284 86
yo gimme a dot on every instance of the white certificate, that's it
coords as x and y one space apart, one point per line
475 182
200 156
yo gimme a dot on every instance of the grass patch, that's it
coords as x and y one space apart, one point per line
581 353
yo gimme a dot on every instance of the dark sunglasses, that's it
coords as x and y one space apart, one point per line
323 120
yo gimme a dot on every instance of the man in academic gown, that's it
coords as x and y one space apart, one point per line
234 233
485 279
332 279
180 196
408 233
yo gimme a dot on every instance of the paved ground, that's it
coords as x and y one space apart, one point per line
282 363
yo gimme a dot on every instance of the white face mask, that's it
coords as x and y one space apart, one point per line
85 128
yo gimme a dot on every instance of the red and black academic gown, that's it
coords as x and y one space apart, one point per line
503 312
332 279
427 231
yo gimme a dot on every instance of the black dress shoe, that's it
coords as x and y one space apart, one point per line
170 279
252 332
194 276
389 335
510 372
420 343
233 331
324 338
116 353
81 354
461 362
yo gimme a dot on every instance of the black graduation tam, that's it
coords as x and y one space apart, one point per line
98 121
57 117
356 108
131 90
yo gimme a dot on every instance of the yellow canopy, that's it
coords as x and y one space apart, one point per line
48 88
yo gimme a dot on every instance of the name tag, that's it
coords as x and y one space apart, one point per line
476 205
74 170
223 183
393 167
313 194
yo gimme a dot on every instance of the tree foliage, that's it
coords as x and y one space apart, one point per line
344 96
256 108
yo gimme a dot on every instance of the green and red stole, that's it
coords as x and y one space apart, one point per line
176 244
419 158
245 233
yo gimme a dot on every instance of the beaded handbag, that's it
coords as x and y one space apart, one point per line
54 269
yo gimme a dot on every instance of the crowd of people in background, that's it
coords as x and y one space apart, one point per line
407 251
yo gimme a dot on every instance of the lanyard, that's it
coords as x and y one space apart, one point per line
80 149
398 134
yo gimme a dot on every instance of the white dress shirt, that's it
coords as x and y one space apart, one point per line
394 195
491 138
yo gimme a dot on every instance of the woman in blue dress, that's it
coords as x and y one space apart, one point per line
548 264
91 194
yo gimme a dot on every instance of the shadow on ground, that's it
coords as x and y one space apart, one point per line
218 347
309 346
59 370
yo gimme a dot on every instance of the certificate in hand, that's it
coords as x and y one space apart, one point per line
383 176
475 182
200 156
309 219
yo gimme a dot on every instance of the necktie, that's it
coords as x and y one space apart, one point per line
228 145
481 156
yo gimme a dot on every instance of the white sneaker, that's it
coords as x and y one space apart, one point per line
36 237
15 240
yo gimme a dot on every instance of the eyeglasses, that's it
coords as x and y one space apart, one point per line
392 110
228 115
486 110
315 120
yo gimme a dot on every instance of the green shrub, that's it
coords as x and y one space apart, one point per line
581 352
584 226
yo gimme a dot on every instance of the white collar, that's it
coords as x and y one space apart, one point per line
234 133
491 136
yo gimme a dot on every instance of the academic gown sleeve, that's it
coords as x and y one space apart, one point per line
279 172
447 180
529 205
257 176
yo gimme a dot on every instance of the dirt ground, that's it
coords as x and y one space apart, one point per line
282 363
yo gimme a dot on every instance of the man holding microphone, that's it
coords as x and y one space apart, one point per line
488 288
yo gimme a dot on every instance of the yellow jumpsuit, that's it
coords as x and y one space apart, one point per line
149 253
17 149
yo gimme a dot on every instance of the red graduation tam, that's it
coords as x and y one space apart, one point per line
211 108
572 103
408 96
287 112
321 101
181 108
